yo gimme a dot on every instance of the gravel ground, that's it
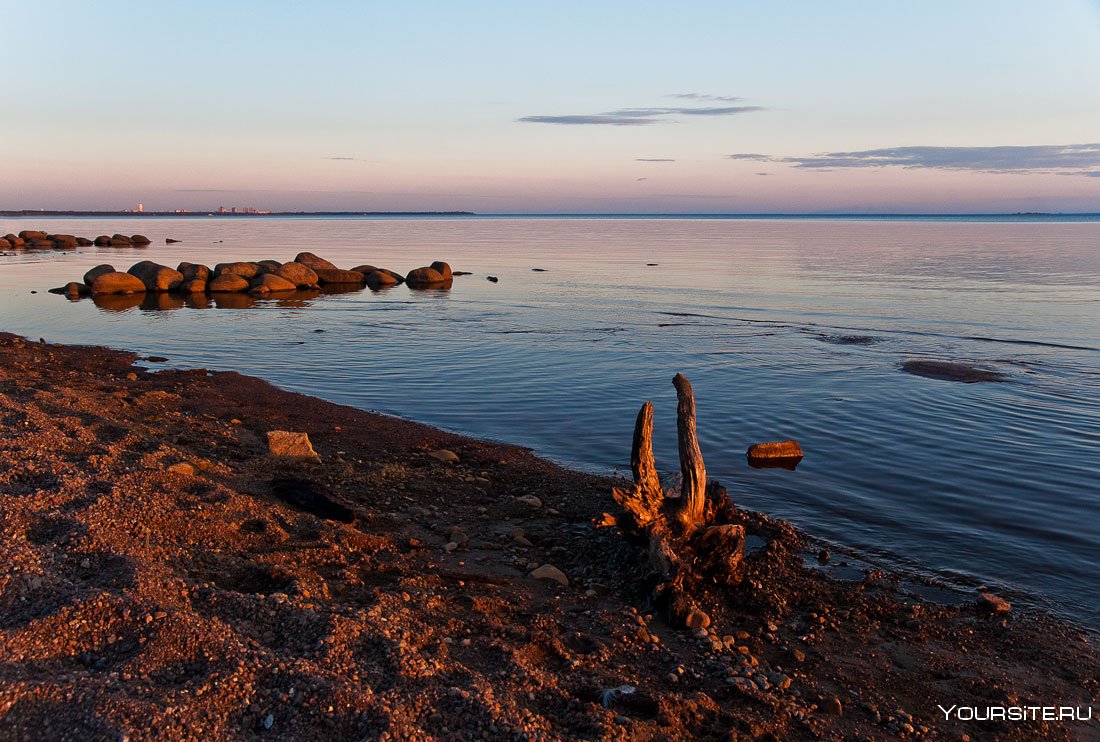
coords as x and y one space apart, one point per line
166 577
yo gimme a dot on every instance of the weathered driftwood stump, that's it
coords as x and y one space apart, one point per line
690 539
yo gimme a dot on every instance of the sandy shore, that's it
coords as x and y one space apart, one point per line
160 583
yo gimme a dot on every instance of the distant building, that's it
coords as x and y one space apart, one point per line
223 210
140 208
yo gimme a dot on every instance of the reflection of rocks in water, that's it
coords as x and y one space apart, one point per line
335 288
951 371
162 302
117 302
849 339
154 302
196 301
229 300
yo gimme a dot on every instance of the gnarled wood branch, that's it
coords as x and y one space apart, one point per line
694 472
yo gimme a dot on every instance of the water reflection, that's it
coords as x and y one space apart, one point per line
167 301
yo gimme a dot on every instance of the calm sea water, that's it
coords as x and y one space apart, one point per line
980 484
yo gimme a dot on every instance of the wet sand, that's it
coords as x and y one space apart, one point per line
165 579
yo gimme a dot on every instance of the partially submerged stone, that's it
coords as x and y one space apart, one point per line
951 371
775 453
284 444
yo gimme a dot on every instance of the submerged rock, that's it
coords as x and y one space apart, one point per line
442 269
951 371
140 239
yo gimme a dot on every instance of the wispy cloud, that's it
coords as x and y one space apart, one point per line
654 159
640 116
1070 159
338 158
704 96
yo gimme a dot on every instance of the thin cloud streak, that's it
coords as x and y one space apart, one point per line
638 116
1071 159
704 96
654 159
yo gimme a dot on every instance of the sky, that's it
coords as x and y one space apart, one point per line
915 106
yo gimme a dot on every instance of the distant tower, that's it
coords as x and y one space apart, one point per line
140 208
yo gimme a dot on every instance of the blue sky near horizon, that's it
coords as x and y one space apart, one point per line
553 107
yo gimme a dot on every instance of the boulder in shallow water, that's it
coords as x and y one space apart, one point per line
32 234
366 269
75 290
102 240
300 275
380 279
139 239
14 240
337 276
66 241
99 270
155 276
193 286
775 453
442 269
118 283
193 271
284 444
4 244
424 278
244 270
268 266
269 283
121 239
310 260
83 242
228 283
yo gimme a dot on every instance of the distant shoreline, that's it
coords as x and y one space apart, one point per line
1023 216
32 213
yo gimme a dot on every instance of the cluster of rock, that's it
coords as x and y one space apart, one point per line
306 271
35 240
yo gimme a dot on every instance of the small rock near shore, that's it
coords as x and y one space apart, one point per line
697 619
444 455
284 444
993 603
775 450
550 572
